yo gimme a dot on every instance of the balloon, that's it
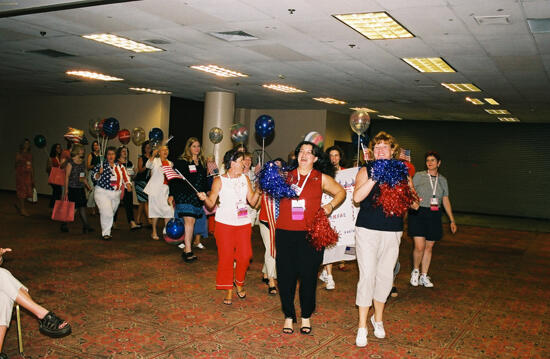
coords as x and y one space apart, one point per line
156 134
100 128
215 135
174 230
239 133
315 138
265 125
138 136
74 135
94 128
124 136
40 141
111 127
84 141
359 121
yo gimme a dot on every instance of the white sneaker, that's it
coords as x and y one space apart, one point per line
425 281
200 246
379 331
414 277
181 245
361 338
324 275
164 231
330 283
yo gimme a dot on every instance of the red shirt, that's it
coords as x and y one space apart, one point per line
311 193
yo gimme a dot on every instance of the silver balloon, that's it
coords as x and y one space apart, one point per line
93 127
359 122
215 135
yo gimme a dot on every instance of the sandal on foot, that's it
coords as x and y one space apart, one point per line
227 301
189 257
154 237
272 290
288 330
240 292
305 330
265 280
50 326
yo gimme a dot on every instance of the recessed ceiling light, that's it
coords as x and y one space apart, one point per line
474 101
493 20
122 43
497 112
491 101
329 100
390 117
508 119
375 25
93 75
218 71
539 26
366 109
462 87
143 89
283 88
429 64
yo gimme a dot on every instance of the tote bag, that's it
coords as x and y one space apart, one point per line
63 211
57 176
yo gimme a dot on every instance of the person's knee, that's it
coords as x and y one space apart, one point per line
429 247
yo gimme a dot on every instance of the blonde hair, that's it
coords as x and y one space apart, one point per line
383 136
187 155
77 147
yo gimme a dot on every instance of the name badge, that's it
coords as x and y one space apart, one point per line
242 210
434 204
82 174
130 171
296 189
298 209
192 169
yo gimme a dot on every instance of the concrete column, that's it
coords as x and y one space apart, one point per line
219 111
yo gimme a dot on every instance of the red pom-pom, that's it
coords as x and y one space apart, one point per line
320 234
395 201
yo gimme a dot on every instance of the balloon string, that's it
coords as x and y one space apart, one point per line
358 144
263 150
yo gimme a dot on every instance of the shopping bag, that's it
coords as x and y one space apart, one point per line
63 211
57 176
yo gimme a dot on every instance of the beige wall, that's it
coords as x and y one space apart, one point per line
290 128
50 115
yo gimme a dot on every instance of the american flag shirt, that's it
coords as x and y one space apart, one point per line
113 178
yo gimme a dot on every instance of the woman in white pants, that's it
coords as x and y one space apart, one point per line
110 178
377 239
12 291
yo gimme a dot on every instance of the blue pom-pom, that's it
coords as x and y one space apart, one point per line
392 172
273 183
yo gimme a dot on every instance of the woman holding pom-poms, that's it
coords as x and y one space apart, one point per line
384 191
297 259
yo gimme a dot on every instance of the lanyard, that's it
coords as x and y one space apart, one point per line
434 187
305 181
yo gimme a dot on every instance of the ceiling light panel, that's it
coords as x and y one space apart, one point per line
366 109
93 75
283 88
122 43
474 101
330 100
462 87
218 71
390 117
375 25
497 112
508 119
157 92
429 64
491 101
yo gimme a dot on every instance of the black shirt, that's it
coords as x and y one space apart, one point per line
183 193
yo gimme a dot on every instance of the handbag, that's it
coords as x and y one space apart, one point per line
57 176
63 211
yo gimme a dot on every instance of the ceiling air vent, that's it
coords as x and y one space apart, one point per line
158 41
539 26
50 53
493 20
233 36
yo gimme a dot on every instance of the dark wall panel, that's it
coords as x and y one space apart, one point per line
492 168
186 119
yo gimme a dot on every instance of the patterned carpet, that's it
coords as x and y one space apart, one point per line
135 298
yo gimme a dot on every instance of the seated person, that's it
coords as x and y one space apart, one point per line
11 290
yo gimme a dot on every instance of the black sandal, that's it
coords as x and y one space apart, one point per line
272 290
49 325
239 293
227 301
189 257
288 330
305 330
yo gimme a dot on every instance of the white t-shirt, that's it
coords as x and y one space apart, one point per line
232 197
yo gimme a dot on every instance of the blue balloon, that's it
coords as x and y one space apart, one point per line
175 228
156 135
111 127
265 125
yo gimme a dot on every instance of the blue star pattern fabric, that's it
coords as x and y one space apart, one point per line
104 180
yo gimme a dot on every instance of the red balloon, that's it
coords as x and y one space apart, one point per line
124 136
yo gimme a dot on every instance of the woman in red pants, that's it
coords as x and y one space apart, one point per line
233 228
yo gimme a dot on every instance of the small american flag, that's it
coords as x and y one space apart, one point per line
367 154
405 155
170 173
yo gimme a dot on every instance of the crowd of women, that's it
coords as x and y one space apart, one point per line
190 188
